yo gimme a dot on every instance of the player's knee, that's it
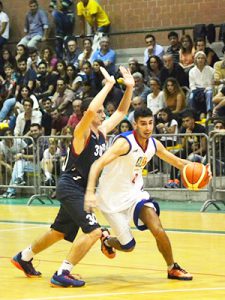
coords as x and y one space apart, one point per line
129 246
158 232
57 234
96 234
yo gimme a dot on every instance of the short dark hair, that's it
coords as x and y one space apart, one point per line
33 2
85 104
36 124
30 101
188 113
142 112
148 35
172 33
43 63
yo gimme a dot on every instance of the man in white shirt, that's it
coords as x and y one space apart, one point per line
4 26
200 82
152 48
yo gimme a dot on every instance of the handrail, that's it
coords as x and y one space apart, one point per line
147 30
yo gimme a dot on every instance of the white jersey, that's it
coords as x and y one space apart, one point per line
121 182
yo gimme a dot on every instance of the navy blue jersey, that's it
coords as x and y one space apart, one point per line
78 166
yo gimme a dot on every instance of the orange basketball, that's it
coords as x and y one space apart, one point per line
195 176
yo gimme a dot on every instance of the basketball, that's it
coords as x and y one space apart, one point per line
195 176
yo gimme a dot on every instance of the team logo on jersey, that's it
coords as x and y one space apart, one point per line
141 162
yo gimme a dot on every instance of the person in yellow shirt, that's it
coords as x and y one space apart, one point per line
91 12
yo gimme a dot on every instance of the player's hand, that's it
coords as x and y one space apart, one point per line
109 79
90 202
128 79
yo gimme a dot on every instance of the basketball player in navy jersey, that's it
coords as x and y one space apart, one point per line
88 144
120 194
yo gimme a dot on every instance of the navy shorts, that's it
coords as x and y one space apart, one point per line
71 215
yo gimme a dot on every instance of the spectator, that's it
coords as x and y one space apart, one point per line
174 95
174 47
154 66
26 118
134 66
62 98
152 48
155 100
166 124
50 163
106 54
193 147
172 69
26 161
186 53
72 52
219 74
33 59
136 103
75 118
4 26
219 104
87 52
200 79
6 58
24 94
91 12
47 55
71 74
45 83
9 147
124 126
21 51
64 20
211 56
97 74
140 89
36 26
61 70
46 120
58 122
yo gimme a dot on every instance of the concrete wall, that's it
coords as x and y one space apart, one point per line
135 15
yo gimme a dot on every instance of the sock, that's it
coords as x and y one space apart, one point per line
170 267
66 265
27 254
48 175
106 242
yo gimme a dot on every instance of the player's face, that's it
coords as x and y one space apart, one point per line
100 117
144 127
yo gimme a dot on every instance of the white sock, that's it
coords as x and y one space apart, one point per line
27 254
66 265
48 175
170 267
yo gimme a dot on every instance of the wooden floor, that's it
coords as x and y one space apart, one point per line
198 241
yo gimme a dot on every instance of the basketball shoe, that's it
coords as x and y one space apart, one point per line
25 266
178 273
106 250
66 280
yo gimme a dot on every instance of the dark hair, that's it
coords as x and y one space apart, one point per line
159 62
127 122
29 100
36 124
19 96
22 59
85 104
32 50
169 113
219 121
188 113
33 2
172 33
186 37
142 112
150 36
87 39
43 63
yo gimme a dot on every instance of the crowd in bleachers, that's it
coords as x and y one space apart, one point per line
42 87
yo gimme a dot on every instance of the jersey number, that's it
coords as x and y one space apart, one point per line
92 219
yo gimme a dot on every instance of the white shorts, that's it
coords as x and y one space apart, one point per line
120 221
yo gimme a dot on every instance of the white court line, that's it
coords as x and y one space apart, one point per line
102 295
22 228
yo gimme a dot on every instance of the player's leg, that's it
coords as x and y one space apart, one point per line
151 220
124 240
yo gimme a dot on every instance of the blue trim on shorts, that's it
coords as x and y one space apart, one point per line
138 209
129 245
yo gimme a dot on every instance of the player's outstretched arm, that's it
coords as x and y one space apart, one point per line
109 124
120 147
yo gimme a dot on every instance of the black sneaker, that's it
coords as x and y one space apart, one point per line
25 266
66 280
106 250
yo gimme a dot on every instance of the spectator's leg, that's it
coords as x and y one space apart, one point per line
18 166
24 41
208 98
33 42
7 106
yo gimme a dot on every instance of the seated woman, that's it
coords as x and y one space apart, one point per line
186 53
154 66
155 100
174 96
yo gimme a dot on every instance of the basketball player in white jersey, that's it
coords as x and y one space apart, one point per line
120 194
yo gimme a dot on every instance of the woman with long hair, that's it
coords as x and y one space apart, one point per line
174 95
154 66
186 52
48 56
155 100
